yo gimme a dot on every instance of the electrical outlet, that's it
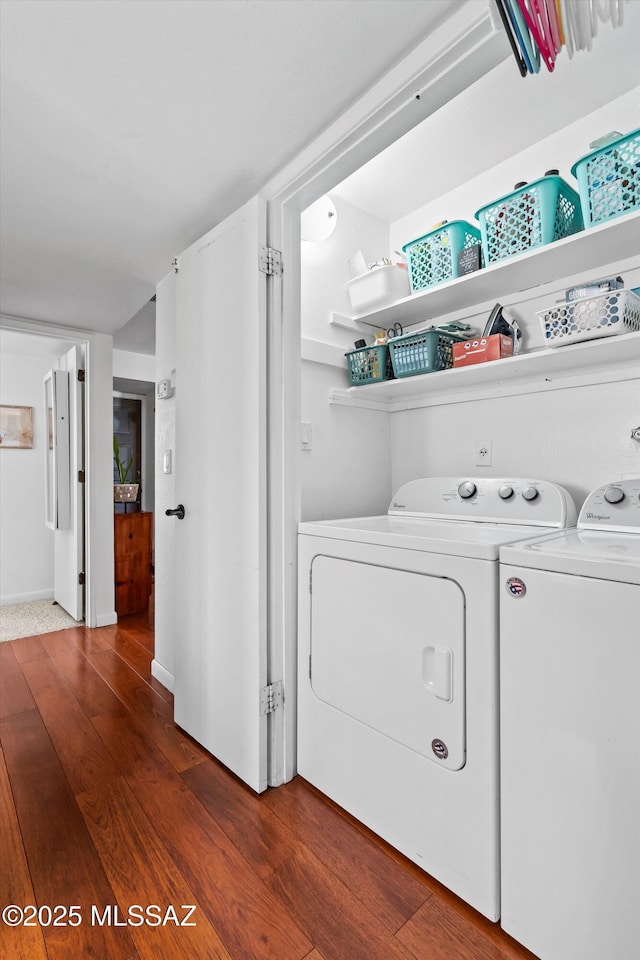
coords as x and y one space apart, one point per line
483 453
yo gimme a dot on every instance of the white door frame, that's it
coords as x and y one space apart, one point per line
98 508
454 56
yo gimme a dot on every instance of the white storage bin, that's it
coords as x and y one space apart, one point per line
378 288
602 316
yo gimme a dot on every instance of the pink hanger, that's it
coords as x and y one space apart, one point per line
554 25
541 11
538 36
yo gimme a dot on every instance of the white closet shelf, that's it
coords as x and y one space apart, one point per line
584 252
604 360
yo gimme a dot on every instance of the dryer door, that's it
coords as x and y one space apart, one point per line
387 648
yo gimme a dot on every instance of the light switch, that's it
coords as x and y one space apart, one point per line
306 436
167 461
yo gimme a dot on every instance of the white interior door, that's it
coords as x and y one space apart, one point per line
67 496
220 475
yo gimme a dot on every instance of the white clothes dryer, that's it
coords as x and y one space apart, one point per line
570 734
398 667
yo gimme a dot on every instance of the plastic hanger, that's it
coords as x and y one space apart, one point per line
540 9
519 35
541 28
537 35
587 16
552 18
530 51
577 24
506 22
567 28
560 22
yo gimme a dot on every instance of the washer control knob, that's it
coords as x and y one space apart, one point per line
467 489
614 495
530 493
505 492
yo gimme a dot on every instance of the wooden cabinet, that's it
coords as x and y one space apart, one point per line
132 549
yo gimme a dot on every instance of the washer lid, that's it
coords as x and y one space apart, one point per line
585 553
481 541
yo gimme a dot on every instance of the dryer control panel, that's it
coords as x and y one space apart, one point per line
614 506
515 500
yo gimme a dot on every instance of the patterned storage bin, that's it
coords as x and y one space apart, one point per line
369 364
537 213
426 350
609 179
591 317
432 259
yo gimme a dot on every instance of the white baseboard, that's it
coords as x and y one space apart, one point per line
162 676
26 597
105 619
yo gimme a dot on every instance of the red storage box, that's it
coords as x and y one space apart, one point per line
481 349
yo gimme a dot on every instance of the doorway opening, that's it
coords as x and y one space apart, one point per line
134 443
42 568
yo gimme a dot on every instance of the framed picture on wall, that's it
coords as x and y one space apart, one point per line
16 427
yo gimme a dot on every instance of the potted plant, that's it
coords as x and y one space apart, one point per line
123 492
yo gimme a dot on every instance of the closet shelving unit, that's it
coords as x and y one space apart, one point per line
602 360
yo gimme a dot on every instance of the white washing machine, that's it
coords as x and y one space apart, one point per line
398 667
570 734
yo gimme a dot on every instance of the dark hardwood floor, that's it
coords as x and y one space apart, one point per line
105 804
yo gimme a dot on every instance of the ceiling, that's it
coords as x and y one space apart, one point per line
129 128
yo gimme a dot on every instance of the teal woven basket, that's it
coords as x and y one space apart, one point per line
538 213
433 259
426 350
369 365
609 180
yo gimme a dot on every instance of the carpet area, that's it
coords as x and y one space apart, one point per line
33 617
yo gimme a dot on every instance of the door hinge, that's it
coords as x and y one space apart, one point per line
175 263
81 579
80 476
310 580
270 698
270 262
309 666
80 376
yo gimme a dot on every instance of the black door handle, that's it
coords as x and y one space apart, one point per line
178 512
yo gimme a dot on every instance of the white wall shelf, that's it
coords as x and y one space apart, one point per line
608 359
582 253
596 361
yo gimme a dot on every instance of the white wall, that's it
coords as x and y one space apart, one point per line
134 366
26 544
579 437
165 429
325 270
347 472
